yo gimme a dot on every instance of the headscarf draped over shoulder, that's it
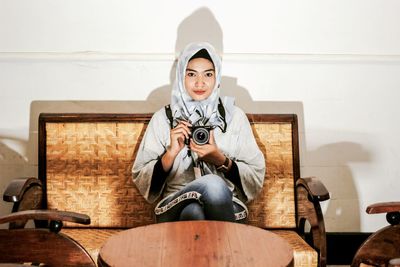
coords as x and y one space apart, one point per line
203 112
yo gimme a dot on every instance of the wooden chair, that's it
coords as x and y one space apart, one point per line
42 245
383 247
85 163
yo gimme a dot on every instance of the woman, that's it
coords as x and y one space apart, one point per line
201 176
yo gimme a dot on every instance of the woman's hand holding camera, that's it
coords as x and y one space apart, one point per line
207 152
178 135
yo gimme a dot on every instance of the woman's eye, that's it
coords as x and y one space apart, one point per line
209 74
190 74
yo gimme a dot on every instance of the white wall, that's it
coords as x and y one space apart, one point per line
335 63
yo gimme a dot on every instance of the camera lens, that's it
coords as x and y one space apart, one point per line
201 136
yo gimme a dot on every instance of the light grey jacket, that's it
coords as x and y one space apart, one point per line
237 143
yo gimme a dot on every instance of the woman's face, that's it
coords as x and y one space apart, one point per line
200 78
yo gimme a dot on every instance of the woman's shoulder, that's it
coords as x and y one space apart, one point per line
232 111
160 113
238 113
160 117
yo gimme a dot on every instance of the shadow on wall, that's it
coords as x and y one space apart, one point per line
343 210
12 165
202 26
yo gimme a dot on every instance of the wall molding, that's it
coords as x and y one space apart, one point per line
228 57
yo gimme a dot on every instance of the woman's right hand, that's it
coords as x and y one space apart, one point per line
178 135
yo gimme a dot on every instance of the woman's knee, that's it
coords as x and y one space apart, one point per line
216 189
193 211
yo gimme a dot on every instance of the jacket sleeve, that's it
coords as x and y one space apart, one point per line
152 147
249 159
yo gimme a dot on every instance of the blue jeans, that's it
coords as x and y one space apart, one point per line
206 198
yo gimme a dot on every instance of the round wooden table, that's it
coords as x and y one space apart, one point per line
196 244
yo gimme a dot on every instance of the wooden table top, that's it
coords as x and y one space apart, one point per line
196 244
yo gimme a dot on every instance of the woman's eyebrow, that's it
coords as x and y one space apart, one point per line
188 69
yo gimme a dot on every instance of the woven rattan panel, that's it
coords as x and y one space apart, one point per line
90 239
275 207
303 254
89 171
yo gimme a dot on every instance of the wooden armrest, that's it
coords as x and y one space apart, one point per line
383 207
12 265
314 187
16 189
309 193
53 215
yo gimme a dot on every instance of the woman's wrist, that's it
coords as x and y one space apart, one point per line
220 159
167 160
225 166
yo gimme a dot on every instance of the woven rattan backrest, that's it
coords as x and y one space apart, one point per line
85 165
277 137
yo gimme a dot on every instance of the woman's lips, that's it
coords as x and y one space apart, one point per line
199 92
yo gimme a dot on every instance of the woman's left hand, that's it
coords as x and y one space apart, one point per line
208 152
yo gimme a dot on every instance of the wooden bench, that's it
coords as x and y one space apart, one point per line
85 163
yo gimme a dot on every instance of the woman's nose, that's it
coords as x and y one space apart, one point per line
199 80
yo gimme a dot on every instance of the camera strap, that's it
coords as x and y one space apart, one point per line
198 165
221 111
168 112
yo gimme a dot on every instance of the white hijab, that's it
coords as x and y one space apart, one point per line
203 112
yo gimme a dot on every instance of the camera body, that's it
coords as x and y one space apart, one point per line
200 134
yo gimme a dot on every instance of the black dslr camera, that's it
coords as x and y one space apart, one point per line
200 134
